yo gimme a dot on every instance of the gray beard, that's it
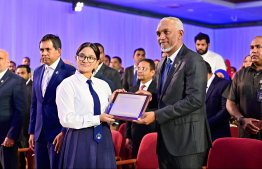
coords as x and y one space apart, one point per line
170 48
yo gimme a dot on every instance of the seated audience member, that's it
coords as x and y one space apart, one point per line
107 60
222 74
217 114
246 62
243 101
135 132
88 141
163 54
24 72
202 43
116 63
107 71
26 61
12 66
130 76
122 69
156 61
233 71
228 66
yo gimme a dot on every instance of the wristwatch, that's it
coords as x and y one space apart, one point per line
240 120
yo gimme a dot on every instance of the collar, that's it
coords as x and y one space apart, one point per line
135 67
3 73
99 67
172 57
210 80
81 77
54 65
28 81
147 84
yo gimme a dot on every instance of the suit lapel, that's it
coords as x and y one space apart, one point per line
211 87
131 75
175 66
159 73
56 73
102 69
5 78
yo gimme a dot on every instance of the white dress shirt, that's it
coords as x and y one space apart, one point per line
75 103
172 57
210 81
51 70
2 74
146 85
215 61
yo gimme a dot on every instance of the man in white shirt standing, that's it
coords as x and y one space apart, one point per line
202 43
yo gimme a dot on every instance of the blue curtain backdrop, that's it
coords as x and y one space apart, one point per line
25 22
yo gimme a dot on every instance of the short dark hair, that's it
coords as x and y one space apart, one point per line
98 44
209 70
13 62
118 58
151 63
91 45
107 56
202 36
139 49
25 66
27 58
234 69
55 40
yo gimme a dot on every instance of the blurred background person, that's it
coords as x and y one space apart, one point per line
116 63
246 62
107 60
12 66
26 61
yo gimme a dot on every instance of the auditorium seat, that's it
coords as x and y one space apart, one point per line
124 153
117 139
234 131
146 157
30 159
235 153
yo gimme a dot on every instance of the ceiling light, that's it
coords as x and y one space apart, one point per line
77 6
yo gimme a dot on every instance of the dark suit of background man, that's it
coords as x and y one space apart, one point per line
183 131
116 63
217 114
130 75
25 72
13 106
135 132
106 71
46 132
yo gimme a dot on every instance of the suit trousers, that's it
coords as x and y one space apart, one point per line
166 160
8 157
45 155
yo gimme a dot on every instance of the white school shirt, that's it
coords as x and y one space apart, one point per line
75 103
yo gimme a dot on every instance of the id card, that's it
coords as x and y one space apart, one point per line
259 95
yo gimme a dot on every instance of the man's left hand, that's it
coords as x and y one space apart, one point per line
147 118
58 141
8 142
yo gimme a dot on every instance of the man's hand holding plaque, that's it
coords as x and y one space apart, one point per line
128 106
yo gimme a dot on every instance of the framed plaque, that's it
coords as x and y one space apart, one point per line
128 106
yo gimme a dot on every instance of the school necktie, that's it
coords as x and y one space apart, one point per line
46 80
98 130
134 79
167 68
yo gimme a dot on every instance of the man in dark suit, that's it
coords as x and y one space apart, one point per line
135 132
106 71
130 75
116 63
46 132
25 72
183 131
13 107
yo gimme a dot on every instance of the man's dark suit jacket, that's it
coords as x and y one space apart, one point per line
181 116
128 78
136 131
121 76
217 114
111 74
44 113
13 105
27 116
109 82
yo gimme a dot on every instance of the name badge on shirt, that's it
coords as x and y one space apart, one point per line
259 95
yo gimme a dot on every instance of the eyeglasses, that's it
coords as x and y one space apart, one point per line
141 68
89 59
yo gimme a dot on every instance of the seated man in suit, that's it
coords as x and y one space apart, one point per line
217 114
135 132
116 63
106 71
13 106
130 75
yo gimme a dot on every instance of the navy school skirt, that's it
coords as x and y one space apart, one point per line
80 150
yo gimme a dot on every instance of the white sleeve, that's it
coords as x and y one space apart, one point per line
65 100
